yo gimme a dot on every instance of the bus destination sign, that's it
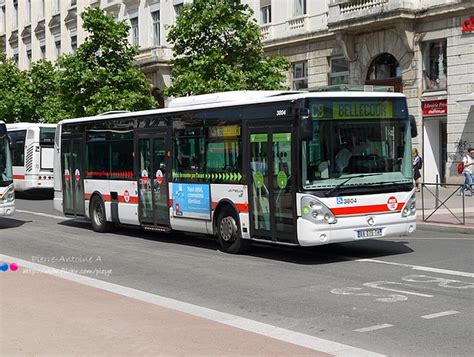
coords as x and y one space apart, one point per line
362 110
352 110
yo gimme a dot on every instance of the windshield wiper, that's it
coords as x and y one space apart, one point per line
327 193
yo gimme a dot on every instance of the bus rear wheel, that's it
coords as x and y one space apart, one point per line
228 233
98 216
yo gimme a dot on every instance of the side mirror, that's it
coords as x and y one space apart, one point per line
413 128
306 124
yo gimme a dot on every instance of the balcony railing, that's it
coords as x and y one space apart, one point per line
296 24
356 5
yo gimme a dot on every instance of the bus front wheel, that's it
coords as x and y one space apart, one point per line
98 216
228 233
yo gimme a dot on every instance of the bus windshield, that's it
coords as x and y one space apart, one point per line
365 139
5 163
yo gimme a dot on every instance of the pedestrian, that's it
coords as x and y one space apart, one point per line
417 164
468 163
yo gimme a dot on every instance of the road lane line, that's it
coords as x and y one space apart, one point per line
372 328
440 314
421 268
296 338
42 214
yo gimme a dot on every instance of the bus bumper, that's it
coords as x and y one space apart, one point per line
7 209
35 182
347 229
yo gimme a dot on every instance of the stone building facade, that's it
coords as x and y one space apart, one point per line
423 48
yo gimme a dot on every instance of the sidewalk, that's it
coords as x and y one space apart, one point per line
442 220
46 315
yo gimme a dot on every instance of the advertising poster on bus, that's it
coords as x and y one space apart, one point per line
191 200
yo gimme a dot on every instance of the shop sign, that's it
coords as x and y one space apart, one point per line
468 25
435 107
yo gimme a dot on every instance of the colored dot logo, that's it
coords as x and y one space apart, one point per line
5 266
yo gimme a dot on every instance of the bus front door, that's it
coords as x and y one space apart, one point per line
153 160
272 203
72 150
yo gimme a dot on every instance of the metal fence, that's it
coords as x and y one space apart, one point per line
439 202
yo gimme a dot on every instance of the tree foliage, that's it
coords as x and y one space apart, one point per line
99 77
218 47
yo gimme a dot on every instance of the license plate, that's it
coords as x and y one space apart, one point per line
369 233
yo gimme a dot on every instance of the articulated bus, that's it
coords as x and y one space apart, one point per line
7 194
290 168
33 154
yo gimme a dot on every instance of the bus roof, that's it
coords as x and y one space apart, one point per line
232 99
24 126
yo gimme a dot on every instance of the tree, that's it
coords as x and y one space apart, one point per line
218 47
101 76
15 100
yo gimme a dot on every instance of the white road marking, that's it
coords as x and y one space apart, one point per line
62 218
373 328
296 338
440 314
376 285
422 268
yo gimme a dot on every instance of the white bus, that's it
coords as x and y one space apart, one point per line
7 194
291 168
32 151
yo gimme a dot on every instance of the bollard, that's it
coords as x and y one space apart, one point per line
437 192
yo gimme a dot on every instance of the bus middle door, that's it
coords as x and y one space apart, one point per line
153 162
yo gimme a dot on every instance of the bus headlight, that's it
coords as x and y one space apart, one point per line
410 207
315 211
8 195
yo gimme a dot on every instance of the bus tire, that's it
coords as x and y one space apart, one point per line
98 216
228 233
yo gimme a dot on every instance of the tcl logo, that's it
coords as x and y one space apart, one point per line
392 203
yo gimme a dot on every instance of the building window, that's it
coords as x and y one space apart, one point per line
300 75
28 58
156 27
339 71
299 8
28 11
43 51
73 43
3 27
265 11
57 46
435 65
178 6
41 10
15 14
135 34
15 58
73 2
384 66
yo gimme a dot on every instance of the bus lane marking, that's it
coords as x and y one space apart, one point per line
372 328
419 267
440 314
377 285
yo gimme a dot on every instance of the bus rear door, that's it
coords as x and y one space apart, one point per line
272 183
72 151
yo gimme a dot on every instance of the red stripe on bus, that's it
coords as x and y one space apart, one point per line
365 209
18 177
131 199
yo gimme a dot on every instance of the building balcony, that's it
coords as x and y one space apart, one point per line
153 57
360 14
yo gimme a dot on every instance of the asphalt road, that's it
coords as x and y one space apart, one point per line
410 296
